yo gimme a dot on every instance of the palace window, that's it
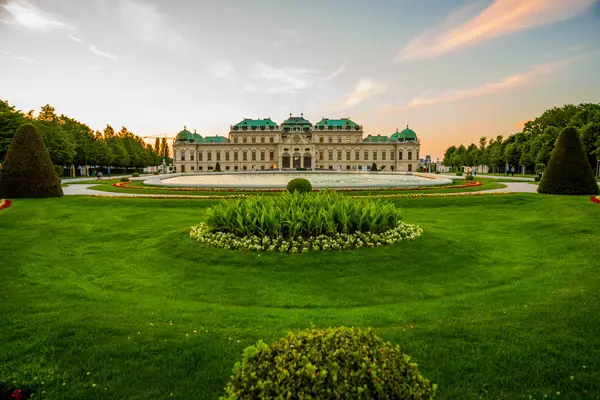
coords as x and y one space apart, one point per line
321 139
235 140
347 155
235 167
400 155
227 168
253 156
235 156
330 155
374 156
208 156
383 154
339 155
262 156
200 155
357 155
417 154
192 168
262 139
321 155
244 156
271 139
182 155
339 139
271 155
226 156
218 156
330 139
410 155
392 155
191 155
262 167
199 168
366 155
253 139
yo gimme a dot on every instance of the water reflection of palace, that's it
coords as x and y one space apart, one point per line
261 144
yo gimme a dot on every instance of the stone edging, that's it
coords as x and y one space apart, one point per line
5 204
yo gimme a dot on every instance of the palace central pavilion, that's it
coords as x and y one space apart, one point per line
330 144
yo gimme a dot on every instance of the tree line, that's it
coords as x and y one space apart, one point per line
531 148
71 142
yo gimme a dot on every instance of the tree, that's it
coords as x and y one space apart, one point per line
568 171
218 167
164 149
10 120
157 146
28 169
60 144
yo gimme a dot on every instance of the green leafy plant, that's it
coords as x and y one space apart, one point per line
459 173
299 185
156 173
568 171
335 363
218 167
469 178
27 169
135 175
537 179
124 179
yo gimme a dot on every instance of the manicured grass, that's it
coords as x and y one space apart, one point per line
108 187
499 299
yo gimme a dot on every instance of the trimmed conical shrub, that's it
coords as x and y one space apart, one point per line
568 171
28 169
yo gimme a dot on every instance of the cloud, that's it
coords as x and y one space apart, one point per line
290 36
18 57
500 18
365 89
75 38
534 75
222 70
276 80
148 25
28 16
104 54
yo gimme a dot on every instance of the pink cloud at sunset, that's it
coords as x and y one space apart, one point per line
500 18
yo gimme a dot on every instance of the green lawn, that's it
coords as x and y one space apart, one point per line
107 186
499 299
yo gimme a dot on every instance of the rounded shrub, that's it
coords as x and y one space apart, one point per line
335 363
135 175
28 169
124 179
156 172
469 178
459 173
568 171
59 170
537 179
299 184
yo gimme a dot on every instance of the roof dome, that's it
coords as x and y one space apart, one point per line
197 137
185 136
407 135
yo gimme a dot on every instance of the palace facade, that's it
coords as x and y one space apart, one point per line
262 144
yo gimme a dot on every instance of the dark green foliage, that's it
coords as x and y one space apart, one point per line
59 170
374 167
337 363
537 178
469 178
218 167
135 175
302 215
28 170
568 171
299 184
459 173
124 179
156 173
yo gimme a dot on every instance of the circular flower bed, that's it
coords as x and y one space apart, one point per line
318 221
595 199
4 204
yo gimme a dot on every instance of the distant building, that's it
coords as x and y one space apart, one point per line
428 159
262 144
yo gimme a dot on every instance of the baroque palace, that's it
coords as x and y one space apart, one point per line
330 144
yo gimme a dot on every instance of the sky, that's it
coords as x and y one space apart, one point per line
454 70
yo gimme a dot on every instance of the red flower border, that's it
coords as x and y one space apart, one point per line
595 199
5 204
125 185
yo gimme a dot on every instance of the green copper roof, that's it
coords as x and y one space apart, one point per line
344 123
197 137
376 139
216 139
295 121
185 136
256 123
407 135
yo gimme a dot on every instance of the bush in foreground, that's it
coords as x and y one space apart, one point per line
568 171
135 175
124 179
459 173
338 363
300 185
28 169
469 178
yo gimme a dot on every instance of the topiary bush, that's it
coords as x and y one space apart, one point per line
568 171
135 175
299 184
469 178
124 179
59 170
28 169
156 173
459 173
336 363
218 167
374 167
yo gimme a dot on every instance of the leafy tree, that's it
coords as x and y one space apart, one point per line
10 120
